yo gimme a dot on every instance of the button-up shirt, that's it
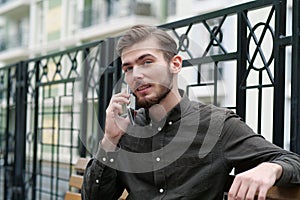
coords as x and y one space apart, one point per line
187 155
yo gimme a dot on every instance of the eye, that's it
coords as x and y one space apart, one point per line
147 62
127 68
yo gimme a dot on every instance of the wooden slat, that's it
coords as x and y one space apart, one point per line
76 181
284 193
72 196
81 164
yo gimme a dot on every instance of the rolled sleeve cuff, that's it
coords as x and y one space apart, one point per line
287 173
107 158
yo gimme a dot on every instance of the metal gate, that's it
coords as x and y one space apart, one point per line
52 108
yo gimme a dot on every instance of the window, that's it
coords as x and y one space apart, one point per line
40 22
171 8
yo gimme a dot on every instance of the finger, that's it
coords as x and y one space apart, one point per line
118 103
113 109
234 189
120 99
122 123
262 193
251 191
122 94
117 108
241 194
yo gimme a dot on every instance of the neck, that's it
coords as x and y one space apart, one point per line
159 111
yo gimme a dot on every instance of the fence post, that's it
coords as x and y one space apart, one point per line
35 131
20 132
7 170
295 89
279 74
241 66
107 79
84 105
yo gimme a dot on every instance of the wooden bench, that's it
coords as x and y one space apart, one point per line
277 192
76 181
284 193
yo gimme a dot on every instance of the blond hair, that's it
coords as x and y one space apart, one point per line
139 33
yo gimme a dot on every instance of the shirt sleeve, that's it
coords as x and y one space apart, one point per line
100 179
244 149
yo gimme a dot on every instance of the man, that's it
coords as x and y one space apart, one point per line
177 148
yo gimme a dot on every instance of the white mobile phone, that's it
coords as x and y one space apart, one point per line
130 110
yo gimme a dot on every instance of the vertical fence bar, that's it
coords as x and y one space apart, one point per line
103 90
35 131
7 171
295 88
84 105
107 81
279 74
20 132
241 65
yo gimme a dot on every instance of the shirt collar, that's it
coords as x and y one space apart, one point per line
175 113
180 109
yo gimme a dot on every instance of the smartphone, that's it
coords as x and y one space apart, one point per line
130 107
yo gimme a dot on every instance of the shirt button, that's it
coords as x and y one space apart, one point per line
161 190
150 124
159 128
170 122
111 160
103 159
157 159
97 181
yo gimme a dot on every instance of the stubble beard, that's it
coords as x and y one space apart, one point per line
164 90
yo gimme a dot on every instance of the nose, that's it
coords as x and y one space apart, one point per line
137 72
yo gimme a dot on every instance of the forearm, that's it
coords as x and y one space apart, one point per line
243 149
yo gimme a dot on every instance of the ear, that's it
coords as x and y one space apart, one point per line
176 64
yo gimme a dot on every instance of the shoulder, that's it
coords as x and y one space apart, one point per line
212 112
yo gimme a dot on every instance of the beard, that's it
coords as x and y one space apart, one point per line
164 90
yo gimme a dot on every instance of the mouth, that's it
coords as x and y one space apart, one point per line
143 87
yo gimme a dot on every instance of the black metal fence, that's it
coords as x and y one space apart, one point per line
48 106
52 108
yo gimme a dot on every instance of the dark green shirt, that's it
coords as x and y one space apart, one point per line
188 155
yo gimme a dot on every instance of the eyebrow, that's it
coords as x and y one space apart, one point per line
138 59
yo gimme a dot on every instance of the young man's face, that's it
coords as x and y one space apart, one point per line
147 72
